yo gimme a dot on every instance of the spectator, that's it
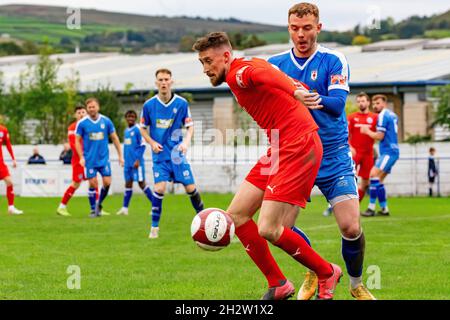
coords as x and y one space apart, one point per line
66 154
36 158
432 171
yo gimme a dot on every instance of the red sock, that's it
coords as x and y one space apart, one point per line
258 249
361 194
298 248
96 194
69 193
10 195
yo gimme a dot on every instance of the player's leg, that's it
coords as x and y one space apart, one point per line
270 226
92 193
377 190
128 193
365 165
68 194
157 201
347 217
10 196
140 178
243 207
106 184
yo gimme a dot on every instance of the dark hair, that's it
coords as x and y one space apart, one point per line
163 70
212 40
79 107
131 112
363 94
92 99
303 9
432 149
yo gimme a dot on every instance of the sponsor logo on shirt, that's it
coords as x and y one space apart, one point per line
164 123
240 78
96 136
128 141
338 79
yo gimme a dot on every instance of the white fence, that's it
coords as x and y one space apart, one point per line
220 169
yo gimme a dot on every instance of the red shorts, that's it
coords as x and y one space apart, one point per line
290 176
4 171
78 173
364 163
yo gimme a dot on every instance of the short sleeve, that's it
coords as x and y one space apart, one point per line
111 128
187 117
382 122
79 130
339 74
145 117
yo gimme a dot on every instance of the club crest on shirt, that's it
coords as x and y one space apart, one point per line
175 110
314 75
102 126
369 120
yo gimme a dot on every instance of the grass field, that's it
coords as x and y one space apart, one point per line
118 261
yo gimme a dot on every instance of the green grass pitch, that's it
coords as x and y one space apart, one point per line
118 261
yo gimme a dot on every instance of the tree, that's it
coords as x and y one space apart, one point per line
442 116
360 40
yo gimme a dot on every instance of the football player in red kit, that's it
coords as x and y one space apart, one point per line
281 181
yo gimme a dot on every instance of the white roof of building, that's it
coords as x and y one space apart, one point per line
118 70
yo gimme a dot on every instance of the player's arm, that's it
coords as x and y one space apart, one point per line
376 135
334 103
275 78
79 149
189 125
352 149
10 150
145 131
139 151
115 140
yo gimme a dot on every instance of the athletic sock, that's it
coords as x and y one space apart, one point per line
374 183
298 248
103 194
196 200
92 198
68 195
127 197
148 193
156 208
258 250
361 194
382 197
10 195
353 254
302 234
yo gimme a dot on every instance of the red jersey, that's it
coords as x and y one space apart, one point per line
267 94
361 142
72 138
4 138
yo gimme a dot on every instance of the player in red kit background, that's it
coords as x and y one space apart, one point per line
77 169
4 171
280 182
361 145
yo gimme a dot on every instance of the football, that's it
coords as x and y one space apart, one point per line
212 229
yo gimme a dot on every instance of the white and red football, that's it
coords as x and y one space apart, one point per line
212 229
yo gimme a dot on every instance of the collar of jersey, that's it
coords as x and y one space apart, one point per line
307 61
167 104
95 121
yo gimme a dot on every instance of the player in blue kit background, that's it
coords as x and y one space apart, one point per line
387 134
327 74
92 144
134 168
164 116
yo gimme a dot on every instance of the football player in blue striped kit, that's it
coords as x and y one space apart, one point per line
134 169
164 116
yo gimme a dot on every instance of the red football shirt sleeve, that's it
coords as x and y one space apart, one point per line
8 145
248 77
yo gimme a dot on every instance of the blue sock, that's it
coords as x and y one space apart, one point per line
373 191
302 234
91 197
353 254
127 197
156 208
148 193
196 201
103 194
382 198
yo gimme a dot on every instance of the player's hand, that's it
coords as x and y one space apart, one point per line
14 164
121 162
311 100
183 147
365 129
156 147
83 162
136 164
353 151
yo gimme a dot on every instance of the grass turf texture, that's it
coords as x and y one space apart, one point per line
118 261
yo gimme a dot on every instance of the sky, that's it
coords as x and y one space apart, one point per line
335 14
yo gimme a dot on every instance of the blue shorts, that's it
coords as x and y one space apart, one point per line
386 161
92 172
337 178
168 171
134 174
